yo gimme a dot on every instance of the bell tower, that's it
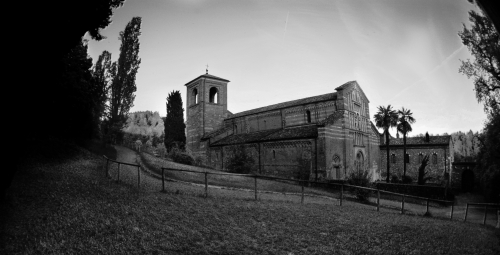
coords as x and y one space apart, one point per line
206 108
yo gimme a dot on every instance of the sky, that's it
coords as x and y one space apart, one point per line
405 53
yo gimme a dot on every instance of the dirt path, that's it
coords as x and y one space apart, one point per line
151 182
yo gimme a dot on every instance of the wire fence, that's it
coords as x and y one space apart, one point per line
339 193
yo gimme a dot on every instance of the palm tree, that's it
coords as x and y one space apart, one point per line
405 119
386 118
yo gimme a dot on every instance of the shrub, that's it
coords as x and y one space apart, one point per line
181 157
360 178
198 161
394 179
407 179
240 162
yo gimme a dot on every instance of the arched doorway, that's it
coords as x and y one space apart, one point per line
467 180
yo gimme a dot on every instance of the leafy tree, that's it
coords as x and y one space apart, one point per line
81 100
124 73
488 158
102 79
483 41
405 119
386 118
422 178
240 161
174 122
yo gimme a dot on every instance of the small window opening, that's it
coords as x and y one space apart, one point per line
434 159
393 156
274 154
308 116
214 95
195 96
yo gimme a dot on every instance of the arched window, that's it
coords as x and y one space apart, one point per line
434 159
213 95
274 154
393 158
420 157
359 161
195 96
236 129
308 113
407 159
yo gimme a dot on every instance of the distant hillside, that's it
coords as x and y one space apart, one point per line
465 145
145 126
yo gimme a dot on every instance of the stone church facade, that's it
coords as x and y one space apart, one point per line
325 136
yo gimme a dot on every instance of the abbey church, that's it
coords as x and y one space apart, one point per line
331 133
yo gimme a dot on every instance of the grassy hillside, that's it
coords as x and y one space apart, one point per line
67 206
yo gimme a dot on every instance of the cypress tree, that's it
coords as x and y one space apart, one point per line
174 122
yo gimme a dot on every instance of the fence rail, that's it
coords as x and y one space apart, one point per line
302 183
485 206
123 163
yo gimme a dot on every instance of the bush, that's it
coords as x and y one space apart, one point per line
394 179
181 157
407 179
360 178
198 161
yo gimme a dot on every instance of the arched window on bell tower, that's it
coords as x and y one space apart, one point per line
213 95
308 113
195 96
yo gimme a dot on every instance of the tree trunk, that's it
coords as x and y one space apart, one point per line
387 147
404 155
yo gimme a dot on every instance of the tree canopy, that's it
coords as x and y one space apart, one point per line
385 118
483 42
405 119
174 122
124 72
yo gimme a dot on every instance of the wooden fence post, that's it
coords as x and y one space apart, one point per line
427 207
403 205
255 179
378 200
485 212
206 184
118 173
138 176
466 211
107 167
451 214
302 199
341 193
163 179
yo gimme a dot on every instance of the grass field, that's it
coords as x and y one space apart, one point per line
68 206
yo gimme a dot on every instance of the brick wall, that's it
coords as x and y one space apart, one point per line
435 169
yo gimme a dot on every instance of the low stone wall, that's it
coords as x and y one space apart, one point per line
430 191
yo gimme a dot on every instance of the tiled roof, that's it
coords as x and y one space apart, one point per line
244 138
216 132
207 76
442 139
309 131
307 100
